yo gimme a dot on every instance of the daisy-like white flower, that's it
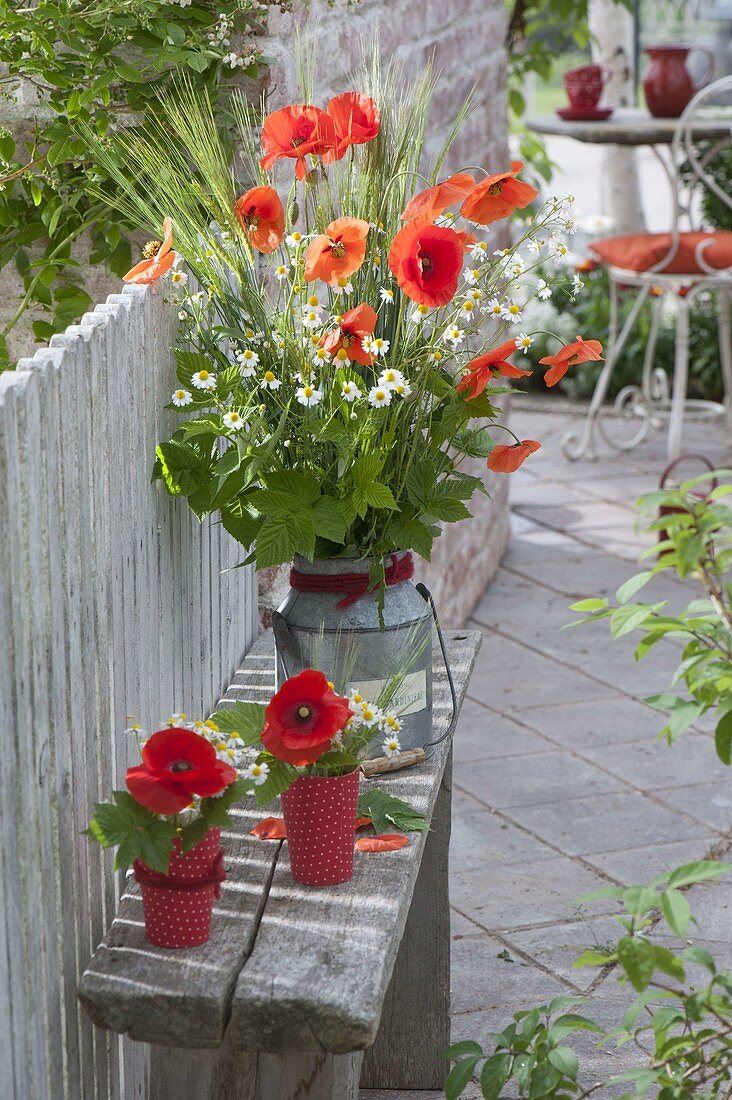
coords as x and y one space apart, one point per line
476 294
558 249
516 266
234 420
350 391
257 772
494 307
314 302
468 309
366 344
177 719
181 398
447 218
203 380
341 358
137 731
369 715
543 290
321 356
379 396
419 314
403 388
270 381
251 336
247 360
354 696
454 335
437 356
534 245
511 311
280 272
390 378
379 346
311 319
308 395
225 235
342 285
208 254
294 239
479 251
523 342
387 295
183 315
392 723
178 278
471 275
577 284
391 746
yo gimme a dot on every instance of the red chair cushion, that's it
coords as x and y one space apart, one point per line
641 251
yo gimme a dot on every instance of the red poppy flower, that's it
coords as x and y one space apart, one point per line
486 367
262 214
579 351
498 196
338 252
505 458
348 337
426 261
177 764
432 201
152 267
356 120
296 131
303 717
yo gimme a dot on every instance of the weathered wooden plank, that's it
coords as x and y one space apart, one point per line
315 1076
323 959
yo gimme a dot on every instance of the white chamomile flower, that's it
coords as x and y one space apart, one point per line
314 302
391 746
379 396
379 346
183 315
419 314
454 335
516 266
308 395
251 336
523 342
386 295
577 284
534 245
392 723
281 272
311 319
558 250
447 218
178 718
390 378
178 278
181 398
294 240
494 307
369 715
350 391
257 772
403 388
247 360
234 421
225 236
476 294
366 344
203 380
270 381
342 358
468 308
342 286
501 253
354 696
321 356
543 290
479 251
511 311
437 356
471 275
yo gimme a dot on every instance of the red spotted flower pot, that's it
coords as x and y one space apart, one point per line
320 819
178 906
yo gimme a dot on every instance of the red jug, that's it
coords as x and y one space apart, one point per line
667 83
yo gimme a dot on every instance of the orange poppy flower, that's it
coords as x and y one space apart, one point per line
432 201
498 196
426 261
579 351
296 131
486 367
338 252
505 458
151 268
262 214
385 842
468 239
356 120
348 337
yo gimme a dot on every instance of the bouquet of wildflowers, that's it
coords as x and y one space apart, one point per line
339 351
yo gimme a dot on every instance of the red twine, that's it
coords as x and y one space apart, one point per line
353 585
215 877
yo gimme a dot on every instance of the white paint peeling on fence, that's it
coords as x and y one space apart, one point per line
114 601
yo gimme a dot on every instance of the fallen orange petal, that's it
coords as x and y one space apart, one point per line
387 842
362 822
271 828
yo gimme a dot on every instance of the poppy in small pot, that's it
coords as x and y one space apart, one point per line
178 906
303 717
177 764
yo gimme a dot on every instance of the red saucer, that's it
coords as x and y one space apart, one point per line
584 114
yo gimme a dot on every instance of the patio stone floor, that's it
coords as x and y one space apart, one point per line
560 786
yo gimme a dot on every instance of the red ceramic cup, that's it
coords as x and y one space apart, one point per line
584 86
320 819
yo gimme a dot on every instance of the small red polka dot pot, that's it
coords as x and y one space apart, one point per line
320 819
178 906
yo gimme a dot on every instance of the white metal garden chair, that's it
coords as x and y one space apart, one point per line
679 266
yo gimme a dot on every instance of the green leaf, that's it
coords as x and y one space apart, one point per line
701 871
565 1060
628 618
629 589
467 1046
379 496
592 958
676 910
193 833
668 963
701 957
388 812
636 958
126 72
246 719
328 519
280 777
277 541
723 738
216 810
496 1071
459 1077
570 1022
240 524
592 604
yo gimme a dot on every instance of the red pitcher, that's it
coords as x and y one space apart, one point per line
667 83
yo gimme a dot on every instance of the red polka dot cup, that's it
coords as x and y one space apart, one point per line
584 85
320 819
178 906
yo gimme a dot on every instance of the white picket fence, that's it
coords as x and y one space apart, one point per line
113 602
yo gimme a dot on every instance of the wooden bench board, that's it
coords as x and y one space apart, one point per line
287 968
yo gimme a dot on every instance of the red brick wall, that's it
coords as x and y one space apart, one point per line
466 39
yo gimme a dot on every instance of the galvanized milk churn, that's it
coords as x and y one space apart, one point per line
337 630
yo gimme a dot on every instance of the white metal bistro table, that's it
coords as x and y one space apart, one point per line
635 126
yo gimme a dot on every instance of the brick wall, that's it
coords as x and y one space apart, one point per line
465 37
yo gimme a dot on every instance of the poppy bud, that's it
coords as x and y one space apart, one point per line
294 211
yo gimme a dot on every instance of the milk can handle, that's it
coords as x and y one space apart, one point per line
687 458
427 597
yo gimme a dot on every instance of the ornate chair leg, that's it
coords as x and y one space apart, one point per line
725 350
681 371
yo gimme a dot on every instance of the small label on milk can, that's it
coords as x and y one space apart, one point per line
410 697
